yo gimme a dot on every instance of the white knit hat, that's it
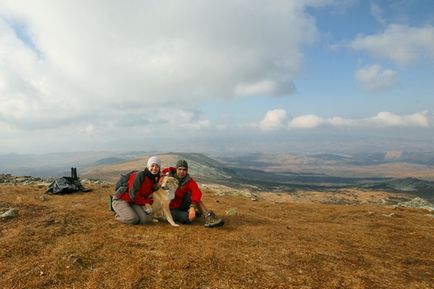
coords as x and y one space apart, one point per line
154 160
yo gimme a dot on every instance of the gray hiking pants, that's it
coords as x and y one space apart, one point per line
130 213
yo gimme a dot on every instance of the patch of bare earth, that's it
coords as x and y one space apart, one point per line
73 241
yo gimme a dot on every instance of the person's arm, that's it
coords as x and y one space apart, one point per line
171 171
143 201
137 182
144 192
196 193
196 197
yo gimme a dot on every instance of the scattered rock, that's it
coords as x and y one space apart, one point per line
43 197
8 214
231 212
254 197
221 190
23 180
94 182
417 203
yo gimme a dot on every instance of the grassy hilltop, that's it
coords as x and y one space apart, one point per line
302 240
320 221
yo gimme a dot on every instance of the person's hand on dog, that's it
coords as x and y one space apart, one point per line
191 214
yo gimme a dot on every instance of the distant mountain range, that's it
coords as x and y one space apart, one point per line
420 158
391 171
58 164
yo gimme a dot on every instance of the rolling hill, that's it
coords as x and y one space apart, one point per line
247 173
395 171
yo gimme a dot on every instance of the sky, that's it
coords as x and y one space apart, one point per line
221 76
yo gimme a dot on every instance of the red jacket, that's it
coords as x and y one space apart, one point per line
140 185
186 185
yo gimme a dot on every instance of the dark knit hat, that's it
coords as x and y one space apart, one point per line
182 163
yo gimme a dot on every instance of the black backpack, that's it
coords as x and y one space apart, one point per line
122 184
67 185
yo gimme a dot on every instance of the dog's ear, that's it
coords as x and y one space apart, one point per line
175 181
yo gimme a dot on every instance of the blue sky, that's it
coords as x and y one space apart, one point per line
217 76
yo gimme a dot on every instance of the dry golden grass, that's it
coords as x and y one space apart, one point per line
73 241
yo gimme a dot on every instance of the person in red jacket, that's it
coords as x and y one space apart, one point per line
132 206
187 204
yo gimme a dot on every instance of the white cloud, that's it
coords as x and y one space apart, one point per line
338 121
377 12
399 43
88 130
154 119
373 78
86 58
388 119
277 120
265 87
181 118
274 119
4 127
306 121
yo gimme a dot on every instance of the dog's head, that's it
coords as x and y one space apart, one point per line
169 184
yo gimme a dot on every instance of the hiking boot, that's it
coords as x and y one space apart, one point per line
211 220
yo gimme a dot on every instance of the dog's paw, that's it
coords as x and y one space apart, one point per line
148 209
155 220
175 225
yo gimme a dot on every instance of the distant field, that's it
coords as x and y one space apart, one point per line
287 173
383 165
393 170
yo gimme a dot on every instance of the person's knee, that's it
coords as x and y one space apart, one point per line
124 213
180 216
146 219
130 220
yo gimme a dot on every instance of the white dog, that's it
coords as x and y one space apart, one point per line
162 198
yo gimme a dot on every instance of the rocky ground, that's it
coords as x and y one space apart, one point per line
340 239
